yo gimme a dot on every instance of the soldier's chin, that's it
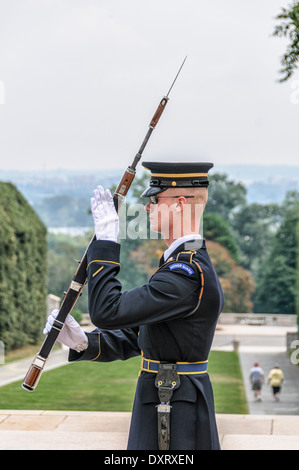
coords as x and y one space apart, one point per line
154 226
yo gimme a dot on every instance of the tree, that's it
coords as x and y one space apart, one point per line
225 195
254 227
236 282
217 229
276 282
23 270
289 27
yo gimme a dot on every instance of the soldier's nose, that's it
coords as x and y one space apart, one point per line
147 207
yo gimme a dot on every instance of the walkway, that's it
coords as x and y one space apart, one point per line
289 400
267 346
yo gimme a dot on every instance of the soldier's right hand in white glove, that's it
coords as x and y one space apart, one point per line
71 334
105 217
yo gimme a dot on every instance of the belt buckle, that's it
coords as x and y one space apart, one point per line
167 376
166 381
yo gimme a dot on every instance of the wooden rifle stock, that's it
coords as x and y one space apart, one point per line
80 278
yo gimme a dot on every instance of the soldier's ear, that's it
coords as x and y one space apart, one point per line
182 201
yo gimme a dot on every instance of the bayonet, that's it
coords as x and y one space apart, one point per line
176 76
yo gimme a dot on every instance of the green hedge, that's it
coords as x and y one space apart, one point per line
23 270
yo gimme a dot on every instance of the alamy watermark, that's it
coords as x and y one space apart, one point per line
2 92
295 353
2 353
137 223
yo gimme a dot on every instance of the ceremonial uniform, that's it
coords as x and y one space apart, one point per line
157 319
171 320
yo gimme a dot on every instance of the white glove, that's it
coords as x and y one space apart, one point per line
71 334
105 217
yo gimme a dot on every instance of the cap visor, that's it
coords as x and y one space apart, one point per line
152 191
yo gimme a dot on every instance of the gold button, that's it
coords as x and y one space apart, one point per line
173 183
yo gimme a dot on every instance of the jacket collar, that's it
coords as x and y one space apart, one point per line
187 243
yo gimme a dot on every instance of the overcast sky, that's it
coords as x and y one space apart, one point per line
82 80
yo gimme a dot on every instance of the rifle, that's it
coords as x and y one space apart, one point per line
80 278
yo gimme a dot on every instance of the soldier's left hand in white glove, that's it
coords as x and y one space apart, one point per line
105 217
71 333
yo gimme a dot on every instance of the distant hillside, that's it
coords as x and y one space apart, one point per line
251 173
79 185
264 183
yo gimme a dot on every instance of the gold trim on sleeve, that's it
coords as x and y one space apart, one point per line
99 353
102 261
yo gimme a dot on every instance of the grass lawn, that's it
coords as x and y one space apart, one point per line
90 386
226 377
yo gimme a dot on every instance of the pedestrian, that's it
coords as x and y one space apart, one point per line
257 379
170 321
275 379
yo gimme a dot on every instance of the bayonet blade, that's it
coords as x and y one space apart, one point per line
176 77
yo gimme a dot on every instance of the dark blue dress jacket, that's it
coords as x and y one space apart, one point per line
173 319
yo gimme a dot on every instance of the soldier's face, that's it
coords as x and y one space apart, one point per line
160 215
163 214
176 212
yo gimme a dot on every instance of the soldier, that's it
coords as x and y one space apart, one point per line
170 321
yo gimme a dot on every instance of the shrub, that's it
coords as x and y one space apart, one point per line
23 270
